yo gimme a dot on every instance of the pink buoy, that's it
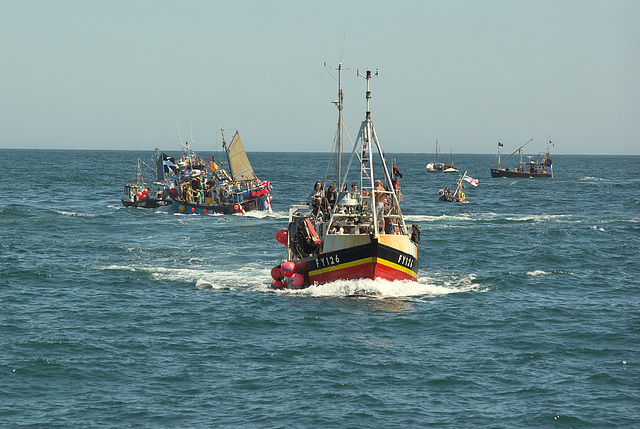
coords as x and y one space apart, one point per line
288 268
297 279
205 211
235 207
282 236
193 209
275 273
139 194
277 284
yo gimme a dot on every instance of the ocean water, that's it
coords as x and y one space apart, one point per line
526 312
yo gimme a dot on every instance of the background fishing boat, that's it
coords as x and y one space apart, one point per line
441 167
145 194
204 187
537 168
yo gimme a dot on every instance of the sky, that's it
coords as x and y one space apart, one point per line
141 74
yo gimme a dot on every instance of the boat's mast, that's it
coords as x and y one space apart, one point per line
339 105
366 133
226 150
458 191
520 162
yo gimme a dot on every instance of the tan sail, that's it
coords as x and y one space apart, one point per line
240 166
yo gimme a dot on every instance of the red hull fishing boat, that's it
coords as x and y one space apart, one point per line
355 234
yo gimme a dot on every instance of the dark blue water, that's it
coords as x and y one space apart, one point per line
526 312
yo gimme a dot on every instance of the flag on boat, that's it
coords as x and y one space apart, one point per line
500 144
471 180
166 165
266 185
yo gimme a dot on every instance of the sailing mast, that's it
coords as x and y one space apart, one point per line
458 192
340 106
226 150
337 173
368 137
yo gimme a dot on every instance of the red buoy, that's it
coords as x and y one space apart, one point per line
288 268
297 279
277 284
282 236
275 273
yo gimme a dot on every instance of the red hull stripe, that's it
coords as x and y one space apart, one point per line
363 268
397 267
368 261
341 266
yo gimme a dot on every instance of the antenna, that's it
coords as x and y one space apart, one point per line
339 103
368 76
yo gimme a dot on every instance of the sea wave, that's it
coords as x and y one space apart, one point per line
254 279
441 218
592 179
379 288
75 214
261 214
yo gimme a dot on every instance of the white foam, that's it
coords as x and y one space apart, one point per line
253 279
537 273
538 218
263 214
75 214
380 288
431 218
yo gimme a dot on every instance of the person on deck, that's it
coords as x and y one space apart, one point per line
319 200
354 189
332 196
415 233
